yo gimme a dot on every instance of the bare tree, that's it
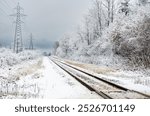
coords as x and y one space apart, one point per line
98 6
112 10
87 30
110 6
80 34
96 19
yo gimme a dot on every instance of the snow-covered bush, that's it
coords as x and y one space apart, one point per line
8 58
131 37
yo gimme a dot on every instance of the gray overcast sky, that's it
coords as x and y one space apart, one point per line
48 20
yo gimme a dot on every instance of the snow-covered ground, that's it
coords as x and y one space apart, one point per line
29 75
40 78
133 80
58 84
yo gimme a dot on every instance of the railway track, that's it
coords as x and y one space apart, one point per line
104 88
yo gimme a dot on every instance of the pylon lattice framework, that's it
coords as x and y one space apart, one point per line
18 44
31 42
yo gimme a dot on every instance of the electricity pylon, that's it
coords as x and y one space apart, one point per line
31 42
17 44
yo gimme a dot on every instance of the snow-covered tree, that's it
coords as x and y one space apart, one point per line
124 7
104 33
56 45
143 2
87 30
110 9
99 17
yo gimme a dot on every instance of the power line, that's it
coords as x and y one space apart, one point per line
4 7
3 11
4 4
7 4
12 2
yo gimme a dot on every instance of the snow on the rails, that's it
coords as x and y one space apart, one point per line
137 81
58 84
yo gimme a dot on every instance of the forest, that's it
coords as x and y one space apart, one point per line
114 33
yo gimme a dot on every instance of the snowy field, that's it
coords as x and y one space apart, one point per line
29 75
33 76
12 68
